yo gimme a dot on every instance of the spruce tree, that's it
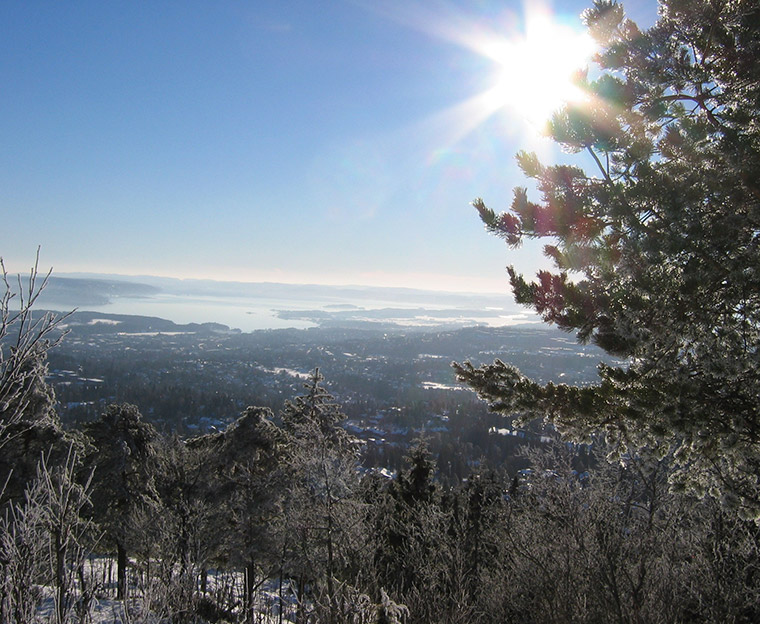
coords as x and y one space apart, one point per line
321 511
656 247
411 559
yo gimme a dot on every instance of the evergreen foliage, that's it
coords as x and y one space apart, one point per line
182 532
121 461
656 249
410 558
322 515
244 478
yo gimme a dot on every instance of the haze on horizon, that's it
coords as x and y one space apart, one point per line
289 142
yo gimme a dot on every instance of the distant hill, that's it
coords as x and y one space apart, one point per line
327 294
98 323
70 292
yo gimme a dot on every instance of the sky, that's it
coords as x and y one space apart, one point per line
333 142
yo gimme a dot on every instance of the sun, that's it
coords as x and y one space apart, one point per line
534 70
533 59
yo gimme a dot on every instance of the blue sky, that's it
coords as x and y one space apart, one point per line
295 141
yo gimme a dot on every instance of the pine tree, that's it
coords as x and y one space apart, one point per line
184 528
122 480
245 483
656 249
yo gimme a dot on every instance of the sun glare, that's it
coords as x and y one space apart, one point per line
534 70
534 59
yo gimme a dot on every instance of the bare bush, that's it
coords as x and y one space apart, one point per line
22 550
44 541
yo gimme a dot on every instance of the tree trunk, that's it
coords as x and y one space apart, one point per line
204 580
300 606
121 571
250 580
60 577
330 585
279 593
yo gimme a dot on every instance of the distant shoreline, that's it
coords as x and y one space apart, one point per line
249 307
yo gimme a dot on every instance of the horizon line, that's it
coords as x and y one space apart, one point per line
283 282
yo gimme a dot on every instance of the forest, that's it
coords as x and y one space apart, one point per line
645 506
273 520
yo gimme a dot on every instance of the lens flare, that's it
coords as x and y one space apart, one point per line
535 70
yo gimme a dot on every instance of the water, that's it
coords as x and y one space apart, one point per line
236 313
250 307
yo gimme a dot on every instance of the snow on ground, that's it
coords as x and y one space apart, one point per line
105 609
